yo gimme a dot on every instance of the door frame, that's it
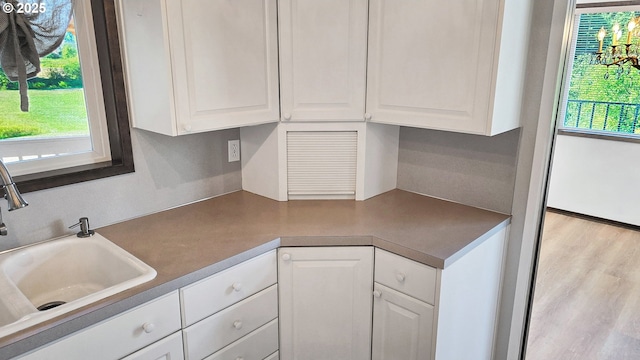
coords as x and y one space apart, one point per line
551 27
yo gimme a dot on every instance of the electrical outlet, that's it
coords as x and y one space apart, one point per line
234 150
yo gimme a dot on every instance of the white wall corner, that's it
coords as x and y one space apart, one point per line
259 152
380 159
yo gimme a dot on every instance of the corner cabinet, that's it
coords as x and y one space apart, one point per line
455 65
332 308
194 66
323 59
325 302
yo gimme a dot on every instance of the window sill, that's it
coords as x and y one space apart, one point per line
601 135
72 175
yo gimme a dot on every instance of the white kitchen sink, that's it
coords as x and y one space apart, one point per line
44 280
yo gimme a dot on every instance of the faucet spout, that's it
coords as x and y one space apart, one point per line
13 196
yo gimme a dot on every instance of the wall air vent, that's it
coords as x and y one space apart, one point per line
321 164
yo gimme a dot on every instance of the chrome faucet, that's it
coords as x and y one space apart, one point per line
12 195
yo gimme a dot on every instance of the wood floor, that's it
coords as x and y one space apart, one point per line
587 296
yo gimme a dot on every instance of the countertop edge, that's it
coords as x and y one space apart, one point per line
465 250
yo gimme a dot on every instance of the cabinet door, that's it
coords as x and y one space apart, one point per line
225 69
323 49
402 326
431 63
325 302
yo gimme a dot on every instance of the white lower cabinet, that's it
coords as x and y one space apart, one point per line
233 314
169 348
325 302
220 290
221 329
423 313
119 336
319 306
419 312
402 326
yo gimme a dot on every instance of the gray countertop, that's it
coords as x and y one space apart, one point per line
191 242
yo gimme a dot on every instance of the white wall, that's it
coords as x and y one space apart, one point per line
169 172
596 177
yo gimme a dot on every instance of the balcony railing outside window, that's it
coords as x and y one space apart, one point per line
602 116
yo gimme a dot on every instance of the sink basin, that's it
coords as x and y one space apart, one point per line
45 280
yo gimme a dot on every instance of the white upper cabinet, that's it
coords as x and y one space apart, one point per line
196 66
323 56
447 65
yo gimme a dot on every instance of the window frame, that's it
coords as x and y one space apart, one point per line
115 106
587 8
95 144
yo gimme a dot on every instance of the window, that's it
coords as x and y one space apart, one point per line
66 124
600 99
77 128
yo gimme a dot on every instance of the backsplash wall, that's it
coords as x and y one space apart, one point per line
469 169
169 172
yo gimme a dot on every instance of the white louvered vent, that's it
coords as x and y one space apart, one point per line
321 164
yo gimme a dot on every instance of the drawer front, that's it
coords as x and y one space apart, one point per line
219 330
169 348
227 287
258 345
407 276
274 356
118 336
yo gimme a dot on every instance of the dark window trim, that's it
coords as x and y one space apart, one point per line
115 100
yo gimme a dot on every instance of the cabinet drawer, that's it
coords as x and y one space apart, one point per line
118 336
227 287
407 276
169 348
256 346
274 356
219 330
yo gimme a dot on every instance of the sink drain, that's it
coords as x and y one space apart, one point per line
50 305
